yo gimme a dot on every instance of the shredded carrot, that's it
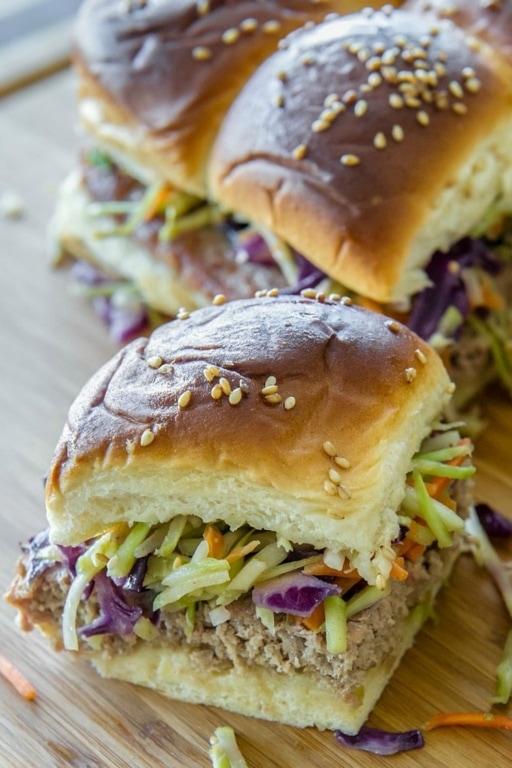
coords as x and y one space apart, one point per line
315 620
409 548
321 569
158 202
415 551
477 719
491 298
16 679
239 552
215 541
398 572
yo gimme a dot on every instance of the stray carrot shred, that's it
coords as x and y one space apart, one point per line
16 679
215 541
158 202
321 569
415 551
239 552
477 719
398 572
315 620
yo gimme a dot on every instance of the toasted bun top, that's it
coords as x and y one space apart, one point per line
161 73
489 19
368 142
155 433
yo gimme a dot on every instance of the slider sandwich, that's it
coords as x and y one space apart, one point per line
253 509
155 79
378 146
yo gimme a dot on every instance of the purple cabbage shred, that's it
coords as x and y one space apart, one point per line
447 287
381 742
295 593
496 525
116 615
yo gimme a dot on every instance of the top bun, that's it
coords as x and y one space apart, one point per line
490 20
368 142
157 76
156 432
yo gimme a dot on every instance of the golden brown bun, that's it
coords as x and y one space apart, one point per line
490 20
145 441
365 188
156 77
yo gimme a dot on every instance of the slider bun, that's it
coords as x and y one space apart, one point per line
156 77
490 20
417 172
129 452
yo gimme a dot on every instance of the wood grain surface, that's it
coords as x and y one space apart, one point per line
50 344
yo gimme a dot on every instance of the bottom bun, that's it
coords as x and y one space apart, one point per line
284 674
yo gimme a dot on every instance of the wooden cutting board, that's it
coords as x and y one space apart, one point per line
50 344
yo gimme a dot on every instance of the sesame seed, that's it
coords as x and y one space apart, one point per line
308 293
330 488
334 476
271 380
244 386
282 76
225 385
373 64
308 60
374 79
354 48
344 492
201 53
166 368
412 102
439 69
300 152
289 403
442 56
279 100
274 399
211 372
410 374
350 96
329 115
349 160
235 396
248 25
273 292
459 108
202 7
270 389
147 437
230 36
346 300
183 314
330 99
219 299
155 362
468 72
216 392
329 448
379 141
260 294
360 108
342 462
393 326
271 27
320 125
421 356
455 89
334 297
389 56
426 41
473 85
396 101
387 9
184 399
320 296
422 117
450 389
397 132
